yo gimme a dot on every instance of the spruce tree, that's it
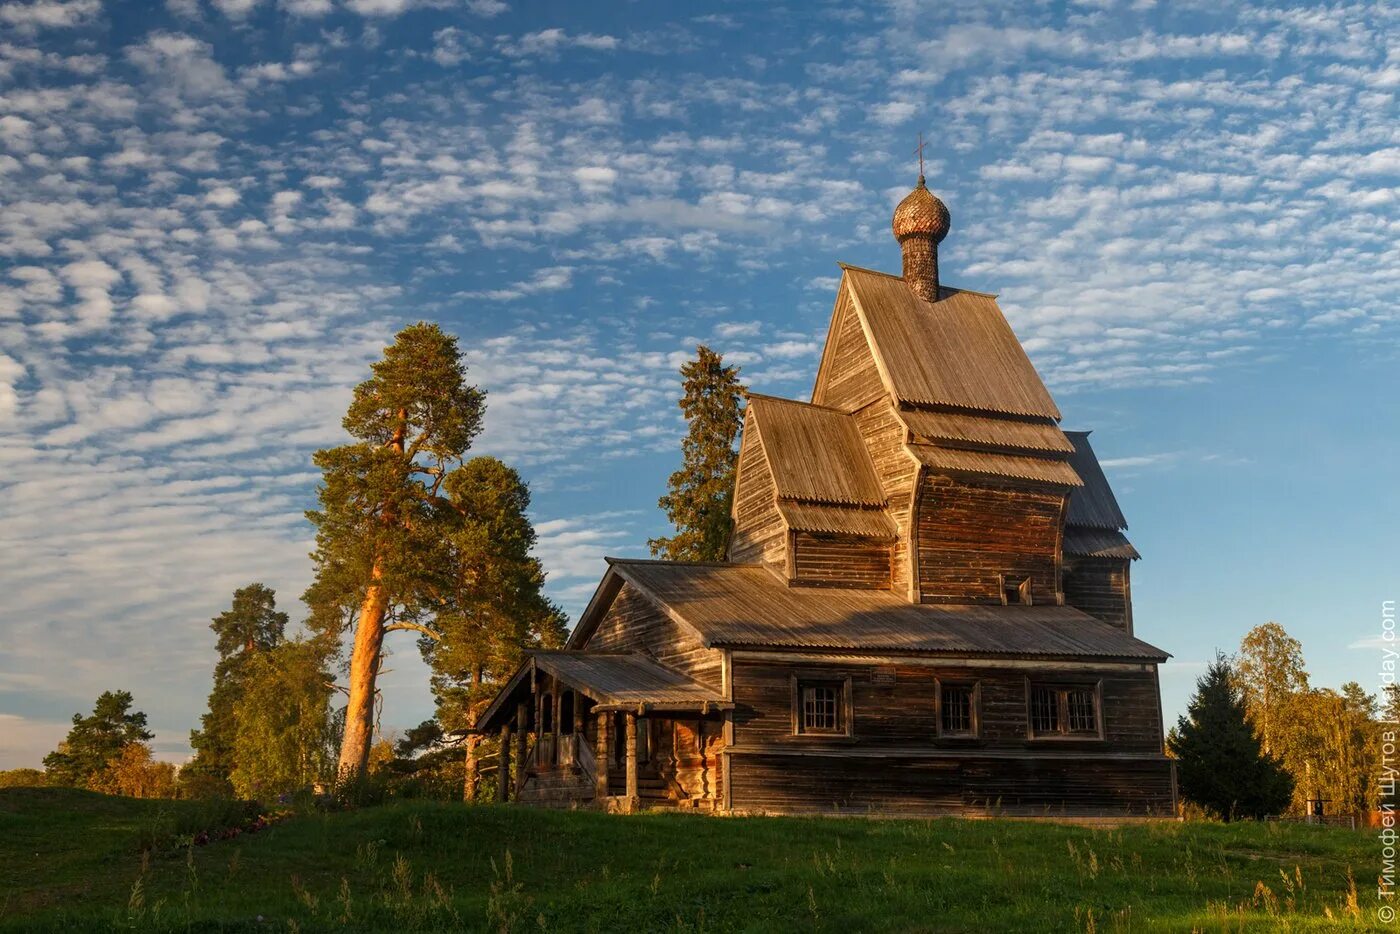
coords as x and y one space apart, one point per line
381 523
702 491
83 758
251 624
1220 765
495 607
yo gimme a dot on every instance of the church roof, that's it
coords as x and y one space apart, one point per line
1092 506
1041 436
1098 543
955 460
611 679
958 351
816 453
734 605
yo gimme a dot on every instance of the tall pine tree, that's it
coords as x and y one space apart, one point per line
382 520
495 607
1220 765
252 624
702 491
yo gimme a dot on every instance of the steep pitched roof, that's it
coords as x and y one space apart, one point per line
816 454
1093 505
1098 543
958 351
746 606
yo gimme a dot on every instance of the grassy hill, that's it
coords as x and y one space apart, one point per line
72 860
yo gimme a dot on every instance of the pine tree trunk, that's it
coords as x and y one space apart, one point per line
364 662
364 669
472 770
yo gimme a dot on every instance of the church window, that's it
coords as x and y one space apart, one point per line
1064 710
821 707
957 710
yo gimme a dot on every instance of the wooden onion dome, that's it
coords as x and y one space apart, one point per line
920 223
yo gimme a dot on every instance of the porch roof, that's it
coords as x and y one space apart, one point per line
620 680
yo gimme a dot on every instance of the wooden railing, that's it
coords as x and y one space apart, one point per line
572 750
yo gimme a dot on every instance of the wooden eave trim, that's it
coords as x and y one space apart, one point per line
526 667
917 658
827 348
598 606
875 354
739 471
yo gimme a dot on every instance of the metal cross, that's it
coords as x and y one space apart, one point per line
919 151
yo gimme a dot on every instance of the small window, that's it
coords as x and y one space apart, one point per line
1081 705
1015 591
957 714
820 708
1045 710
1064 710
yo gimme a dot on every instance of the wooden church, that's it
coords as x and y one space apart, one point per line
926 607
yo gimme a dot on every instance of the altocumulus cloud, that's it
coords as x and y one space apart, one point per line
216 218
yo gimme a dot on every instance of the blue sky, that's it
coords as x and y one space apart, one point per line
216 213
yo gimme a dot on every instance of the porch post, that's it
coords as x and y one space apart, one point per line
503 770
602 758
631 757
522 725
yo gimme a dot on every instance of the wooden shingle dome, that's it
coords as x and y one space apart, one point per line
921 214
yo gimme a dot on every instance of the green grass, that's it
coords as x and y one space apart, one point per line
73 861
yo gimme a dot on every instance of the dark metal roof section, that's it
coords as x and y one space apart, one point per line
746 606
1098 543
1091 506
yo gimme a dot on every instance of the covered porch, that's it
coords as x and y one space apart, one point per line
617 731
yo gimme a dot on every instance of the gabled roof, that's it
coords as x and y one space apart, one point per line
1093 505
816 453
746 606
959 351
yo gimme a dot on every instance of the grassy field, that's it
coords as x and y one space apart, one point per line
77 861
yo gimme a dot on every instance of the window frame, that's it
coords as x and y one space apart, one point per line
975 688
1023 590
842 684
1062 688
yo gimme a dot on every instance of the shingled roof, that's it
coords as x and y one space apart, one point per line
959 351
1094 524
747 606
816 453
611 679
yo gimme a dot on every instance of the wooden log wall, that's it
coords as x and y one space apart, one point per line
911 786
884 437
894 706
970 532
840 561
635 624
1100 587
759 535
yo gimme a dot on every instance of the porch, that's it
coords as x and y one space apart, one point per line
615 731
